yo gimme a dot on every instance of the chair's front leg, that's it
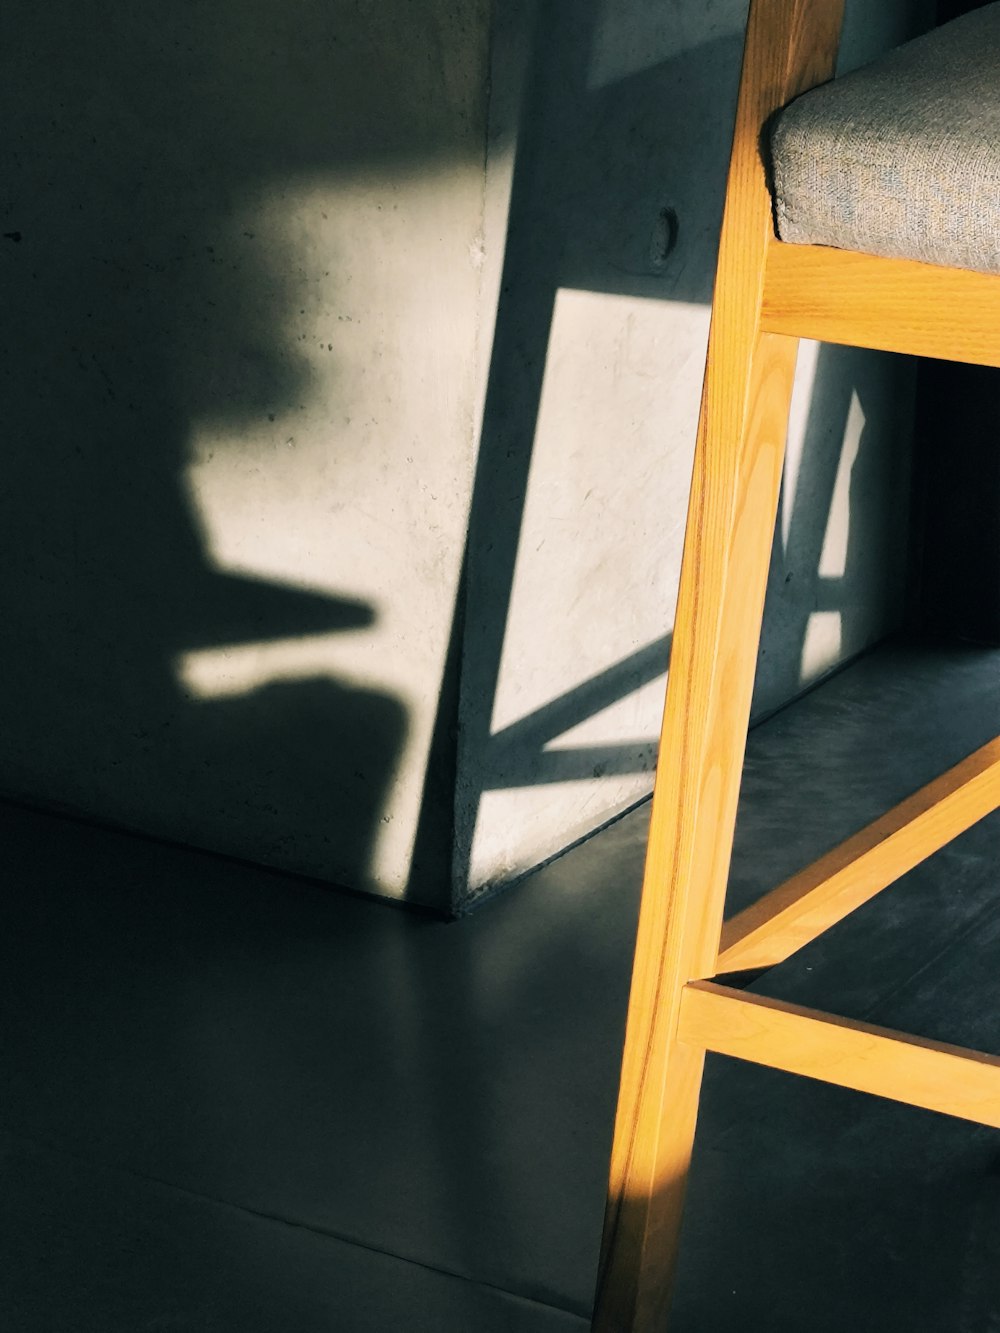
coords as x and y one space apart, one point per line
790 46
726 557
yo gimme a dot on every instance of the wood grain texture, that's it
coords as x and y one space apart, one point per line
913 1070
824 893
791 45
895 305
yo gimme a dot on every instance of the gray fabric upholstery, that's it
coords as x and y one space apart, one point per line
901 158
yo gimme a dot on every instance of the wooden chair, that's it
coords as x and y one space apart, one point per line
768 294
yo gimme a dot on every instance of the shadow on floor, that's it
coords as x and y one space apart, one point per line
233 1101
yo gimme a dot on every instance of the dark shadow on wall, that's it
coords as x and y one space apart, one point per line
958 586
139 300
959 459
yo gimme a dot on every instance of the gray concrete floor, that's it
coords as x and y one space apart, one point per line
238 1103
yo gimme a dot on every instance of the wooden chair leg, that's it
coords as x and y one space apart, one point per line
727 552
790 45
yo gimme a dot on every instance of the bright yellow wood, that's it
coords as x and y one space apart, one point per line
737 473
896 305
929 1074
832 887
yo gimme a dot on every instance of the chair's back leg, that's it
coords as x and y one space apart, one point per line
791 45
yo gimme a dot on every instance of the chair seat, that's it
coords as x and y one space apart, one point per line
901 158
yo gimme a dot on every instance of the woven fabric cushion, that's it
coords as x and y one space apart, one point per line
901 158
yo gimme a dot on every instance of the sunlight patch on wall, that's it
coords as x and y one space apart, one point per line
629 716
822 646
227 672
798 421
609 474
583 804
836 539
596 573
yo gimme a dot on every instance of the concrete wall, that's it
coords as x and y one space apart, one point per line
271 274
613 163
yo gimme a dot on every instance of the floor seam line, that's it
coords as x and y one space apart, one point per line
326 1232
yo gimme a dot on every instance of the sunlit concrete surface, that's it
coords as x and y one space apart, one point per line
238 1103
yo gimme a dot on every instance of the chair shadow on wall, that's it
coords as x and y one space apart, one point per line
582 216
